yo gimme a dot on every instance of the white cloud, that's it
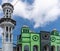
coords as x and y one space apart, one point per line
41 11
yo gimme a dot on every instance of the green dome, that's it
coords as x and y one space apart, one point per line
55 32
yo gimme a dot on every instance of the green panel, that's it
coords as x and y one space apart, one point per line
25 35
35 40
55 41
35 37
25 39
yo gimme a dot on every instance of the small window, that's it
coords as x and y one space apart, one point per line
9 10
6 28
7 16
6 37
52 48
10 29
6 13
25 31
58 48
26 48
35 48
10 37
46 48
20 37
18 48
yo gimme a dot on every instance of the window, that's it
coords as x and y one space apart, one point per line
25 30
10 37
19 36
26 48
7 16
35 48
7 10
6 28
52 48
46 48
10 29
6 37
58 48
18 48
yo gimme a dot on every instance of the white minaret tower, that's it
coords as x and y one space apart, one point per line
8 25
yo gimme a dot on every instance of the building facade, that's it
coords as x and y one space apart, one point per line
55 41
28 41
43 41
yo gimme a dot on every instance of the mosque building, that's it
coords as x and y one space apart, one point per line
43 41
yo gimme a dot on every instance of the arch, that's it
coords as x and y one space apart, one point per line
26 48
35 48
52 48
46 48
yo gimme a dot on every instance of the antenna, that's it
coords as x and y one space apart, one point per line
16 2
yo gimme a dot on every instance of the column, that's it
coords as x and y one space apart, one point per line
5 34
9 34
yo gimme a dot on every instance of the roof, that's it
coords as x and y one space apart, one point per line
7 4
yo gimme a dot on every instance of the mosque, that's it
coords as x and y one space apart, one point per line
43 41
27 40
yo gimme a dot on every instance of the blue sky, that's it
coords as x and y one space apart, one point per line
37 14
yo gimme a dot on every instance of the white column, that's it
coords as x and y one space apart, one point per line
4 38
9 34
12 38
5 34
2 41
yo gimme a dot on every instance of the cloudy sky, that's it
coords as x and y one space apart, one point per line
37 14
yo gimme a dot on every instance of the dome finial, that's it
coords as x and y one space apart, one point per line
54 29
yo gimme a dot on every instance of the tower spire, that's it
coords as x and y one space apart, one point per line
8 10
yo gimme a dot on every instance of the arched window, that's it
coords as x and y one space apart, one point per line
10 37
35 48
6 37
26 48
46 48
52 48
6 28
